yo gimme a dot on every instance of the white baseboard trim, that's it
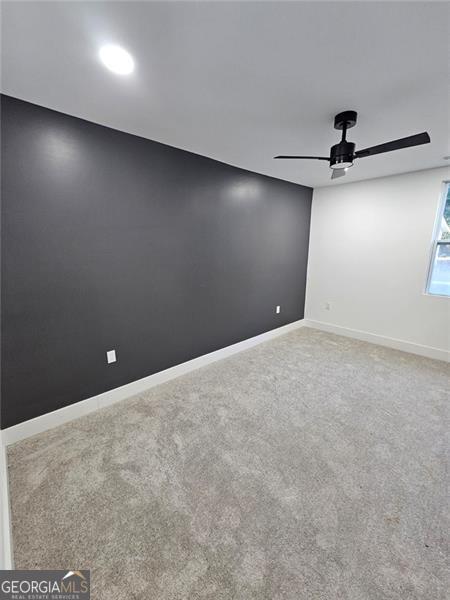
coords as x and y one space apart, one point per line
380 340
6 561
32 427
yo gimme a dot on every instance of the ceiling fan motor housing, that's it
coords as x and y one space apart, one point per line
341 155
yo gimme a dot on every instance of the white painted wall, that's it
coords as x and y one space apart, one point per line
369 254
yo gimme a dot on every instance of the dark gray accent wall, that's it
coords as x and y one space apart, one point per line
112 241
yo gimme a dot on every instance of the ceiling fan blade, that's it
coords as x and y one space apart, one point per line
309 157
338 173
407 142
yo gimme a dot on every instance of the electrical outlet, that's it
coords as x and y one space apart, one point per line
278 310
327 306
111 356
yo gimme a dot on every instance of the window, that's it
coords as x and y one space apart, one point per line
439 277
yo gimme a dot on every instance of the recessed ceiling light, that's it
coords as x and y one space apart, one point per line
116 59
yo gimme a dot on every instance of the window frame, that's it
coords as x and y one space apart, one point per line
436 242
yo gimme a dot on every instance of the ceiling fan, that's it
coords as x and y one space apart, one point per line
343 154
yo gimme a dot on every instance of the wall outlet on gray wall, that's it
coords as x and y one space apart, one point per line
111 356
278 310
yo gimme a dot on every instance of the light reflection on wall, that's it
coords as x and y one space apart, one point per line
245 190
60 151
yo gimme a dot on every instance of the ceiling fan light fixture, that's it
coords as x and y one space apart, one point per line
342 165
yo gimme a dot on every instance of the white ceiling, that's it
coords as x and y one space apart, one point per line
243 81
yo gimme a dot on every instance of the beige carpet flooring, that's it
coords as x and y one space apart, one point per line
312 467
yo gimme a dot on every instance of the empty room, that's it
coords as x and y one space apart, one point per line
225 300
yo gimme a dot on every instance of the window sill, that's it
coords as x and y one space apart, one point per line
431 295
